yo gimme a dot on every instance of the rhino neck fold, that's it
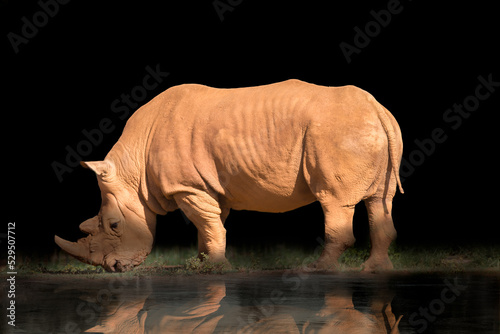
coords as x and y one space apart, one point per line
128 158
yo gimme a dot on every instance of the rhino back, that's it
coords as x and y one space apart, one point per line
244 145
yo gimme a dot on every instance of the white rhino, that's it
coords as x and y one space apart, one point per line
270 148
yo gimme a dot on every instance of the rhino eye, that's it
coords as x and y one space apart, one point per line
114 225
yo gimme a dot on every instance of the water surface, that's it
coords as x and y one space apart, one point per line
266 302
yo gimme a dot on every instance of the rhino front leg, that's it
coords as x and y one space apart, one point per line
205 213
202 245
202 242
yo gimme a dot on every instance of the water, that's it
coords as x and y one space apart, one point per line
269 302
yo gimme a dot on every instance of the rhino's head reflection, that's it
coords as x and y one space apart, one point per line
204 309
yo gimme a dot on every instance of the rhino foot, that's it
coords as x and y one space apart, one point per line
219 262
323 265
373 265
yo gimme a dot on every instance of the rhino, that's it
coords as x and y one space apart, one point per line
269 148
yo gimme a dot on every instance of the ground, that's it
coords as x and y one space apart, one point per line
178 260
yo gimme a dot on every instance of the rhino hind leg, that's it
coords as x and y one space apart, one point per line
338 233
382 233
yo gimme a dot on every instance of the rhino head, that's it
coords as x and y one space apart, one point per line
121 236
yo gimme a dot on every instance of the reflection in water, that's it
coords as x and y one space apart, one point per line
340 316
285 302
205 312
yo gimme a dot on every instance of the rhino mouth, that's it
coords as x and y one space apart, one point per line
119 267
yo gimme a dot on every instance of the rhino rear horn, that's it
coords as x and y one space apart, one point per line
90 226
79 249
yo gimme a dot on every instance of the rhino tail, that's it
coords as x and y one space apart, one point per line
391 138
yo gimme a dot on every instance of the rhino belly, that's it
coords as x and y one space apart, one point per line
267 195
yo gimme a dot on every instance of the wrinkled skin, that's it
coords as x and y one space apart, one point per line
271 148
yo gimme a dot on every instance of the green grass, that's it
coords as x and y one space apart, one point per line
183 261
479 257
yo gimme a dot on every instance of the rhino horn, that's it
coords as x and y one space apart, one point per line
90 226
79 249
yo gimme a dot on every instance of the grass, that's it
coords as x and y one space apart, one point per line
184 261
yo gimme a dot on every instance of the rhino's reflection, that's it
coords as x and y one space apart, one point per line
142 313
199 315
340 316
205 308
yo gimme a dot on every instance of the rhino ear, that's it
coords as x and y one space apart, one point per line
101 168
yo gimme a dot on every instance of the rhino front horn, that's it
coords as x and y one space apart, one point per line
79 249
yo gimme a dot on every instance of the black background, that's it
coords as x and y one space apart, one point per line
426 59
